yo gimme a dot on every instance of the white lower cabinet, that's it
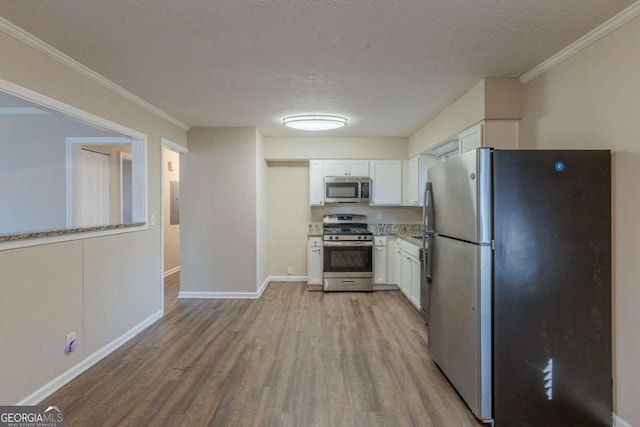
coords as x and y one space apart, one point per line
409 281
380 260
314 261
415 282
397 249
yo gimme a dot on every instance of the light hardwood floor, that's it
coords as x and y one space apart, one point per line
291 358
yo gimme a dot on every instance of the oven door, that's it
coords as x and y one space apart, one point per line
348 266
348 259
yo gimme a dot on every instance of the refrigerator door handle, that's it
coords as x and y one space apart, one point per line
424 216
429 258
428 211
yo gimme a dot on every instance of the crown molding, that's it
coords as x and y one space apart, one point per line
37 44
588 39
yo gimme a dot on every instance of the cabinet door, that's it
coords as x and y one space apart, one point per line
415 282
358 168
406 276
412 197
417 176
335 168
386 177
391 260
316 183
398 263
314 265
471 138
380 265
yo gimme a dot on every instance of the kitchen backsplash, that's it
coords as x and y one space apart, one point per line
398 228
315 228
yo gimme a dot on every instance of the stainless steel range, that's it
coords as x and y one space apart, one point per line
348 253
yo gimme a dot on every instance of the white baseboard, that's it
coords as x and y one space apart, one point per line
171 271
263 286
385 287
241 295
55 384
288 279
217 295
619 422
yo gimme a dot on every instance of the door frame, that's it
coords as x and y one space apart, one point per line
170 145
73 142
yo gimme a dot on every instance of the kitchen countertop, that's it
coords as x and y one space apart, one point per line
404 231
409 238
62 232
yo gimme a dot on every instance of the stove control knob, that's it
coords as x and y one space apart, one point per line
359 237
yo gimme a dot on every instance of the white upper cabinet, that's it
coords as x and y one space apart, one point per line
417 174
386 182
346 168
471 138
358 167
316 183
500 134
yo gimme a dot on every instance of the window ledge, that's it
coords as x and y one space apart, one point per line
13 241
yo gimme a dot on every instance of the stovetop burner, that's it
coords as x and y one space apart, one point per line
347 227
351 230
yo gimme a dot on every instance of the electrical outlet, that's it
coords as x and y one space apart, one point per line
70 342
289 270
379 214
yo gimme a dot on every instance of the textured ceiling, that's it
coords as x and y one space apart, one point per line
388 65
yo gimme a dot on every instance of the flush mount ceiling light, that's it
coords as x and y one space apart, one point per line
314 122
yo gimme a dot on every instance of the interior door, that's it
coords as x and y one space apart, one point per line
460 319
92 198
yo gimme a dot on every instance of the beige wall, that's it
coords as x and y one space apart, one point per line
218 211
289 216
465 112
171 231
261 212
305 148
591 101
490 99
100 287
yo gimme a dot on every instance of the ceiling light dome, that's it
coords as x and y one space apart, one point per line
314 122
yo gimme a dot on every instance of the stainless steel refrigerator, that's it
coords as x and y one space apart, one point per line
519 272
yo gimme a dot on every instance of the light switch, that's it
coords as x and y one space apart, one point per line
153 219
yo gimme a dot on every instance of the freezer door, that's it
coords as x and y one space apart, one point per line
552 290
460 319
462 196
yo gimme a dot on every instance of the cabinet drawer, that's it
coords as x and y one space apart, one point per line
315 242
411 249
380 240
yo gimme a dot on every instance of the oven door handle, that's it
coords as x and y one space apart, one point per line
347 243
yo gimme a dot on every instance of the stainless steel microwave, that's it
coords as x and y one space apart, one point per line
347 190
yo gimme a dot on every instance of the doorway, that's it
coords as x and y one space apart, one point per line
170 215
